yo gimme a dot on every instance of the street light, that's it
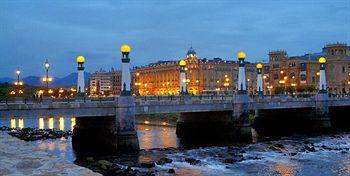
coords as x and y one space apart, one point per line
285 84
18 72
18 83
47 79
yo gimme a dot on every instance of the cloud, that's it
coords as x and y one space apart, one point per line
60 30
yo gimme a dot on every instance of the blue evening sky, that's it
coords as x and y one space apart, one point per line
60 30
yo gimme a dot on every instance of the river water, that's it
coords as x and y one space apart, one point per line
331 155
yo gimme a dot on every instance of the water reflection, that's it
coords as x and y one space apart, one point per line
13 123
156 136
284 169
20 123
62 147
61 123
72 124
345 165
41 123
50 123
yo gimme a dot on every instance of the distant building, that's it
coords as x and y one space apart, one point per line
281 74
204 76
302 72
103 83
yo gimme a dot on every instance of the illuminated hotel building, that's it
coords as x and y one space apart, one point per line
203 76
103 83
302 72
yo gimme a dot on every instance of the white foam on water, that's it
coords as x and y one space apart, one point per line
206 168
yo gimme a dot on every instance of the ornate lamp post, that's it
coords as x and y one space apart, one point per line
323 82
18 83
242 87
126 78
285 85
18 72
183 80
47 79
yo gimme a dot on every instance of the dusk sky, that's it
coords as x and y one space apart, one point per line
32 31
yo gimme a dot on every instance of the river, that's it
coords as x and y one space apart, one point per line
331 155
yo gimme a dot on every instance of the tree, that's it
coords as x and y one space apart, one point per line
301 89
310 88
290 89
279 90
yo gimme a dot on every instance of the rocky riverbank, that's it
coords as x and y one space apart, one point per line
33 134
224 160
22 158
129 165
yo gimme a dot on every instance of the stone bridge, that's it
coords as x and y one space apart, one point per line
108 124
106 106
109 121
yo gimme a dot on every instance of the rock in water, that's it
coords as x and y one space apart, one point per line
281 146
163 161
171 171
148 165
192 161
310 149
104 162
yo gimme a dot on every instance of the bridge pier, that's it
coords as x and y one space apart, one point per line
217 125
321 120
205 127
94 136
125 122
109 134
241 124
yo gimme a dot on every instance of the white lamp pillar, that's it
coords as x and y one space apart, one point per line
183 88
259 82
242 87
81 80
323 82
126 77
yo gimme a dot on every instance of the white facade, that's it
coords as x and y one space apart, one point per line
81 82
183 87
241 79
259 83
323 82
126 76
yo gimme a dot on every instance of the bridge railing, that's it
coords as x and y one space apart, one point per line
179 98
172 98
282 98
28 100
22 100
339 97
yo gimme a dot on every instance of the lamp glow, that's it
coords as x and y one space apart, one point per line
322 60
125 49
241 55
80 59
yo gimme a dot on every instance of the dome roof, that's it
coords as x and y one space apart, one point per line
191 52
80 59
